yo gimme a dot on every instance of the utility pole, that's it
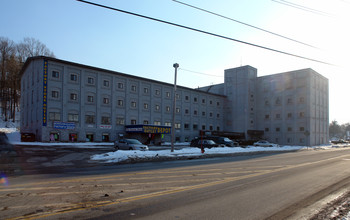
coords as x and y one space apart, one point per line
176 65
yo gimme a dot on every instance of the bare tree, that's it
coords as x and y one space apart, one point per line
7 49
12 58
31 47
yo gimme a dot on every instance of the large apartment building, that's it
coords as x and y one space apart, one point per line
66 101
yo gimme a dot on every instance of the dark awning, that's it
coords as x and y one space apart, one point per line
148 129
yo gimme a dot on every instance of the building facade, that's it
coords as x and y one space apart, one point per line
290 108
66 101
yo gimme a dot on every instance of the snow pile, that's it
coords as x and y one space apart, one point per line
121 155
11 130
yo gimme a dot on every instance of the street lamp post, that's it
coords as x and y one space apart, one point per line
176 65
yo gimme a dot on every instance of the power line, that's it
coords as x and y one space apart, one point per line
199 72
301 7
205 32
240 22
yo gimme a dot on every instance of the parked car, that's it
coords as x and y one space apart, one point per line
339 141
265 144
205 143
129 144
224 140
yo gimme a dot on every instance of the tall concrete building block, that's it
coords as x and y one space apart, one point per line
240 105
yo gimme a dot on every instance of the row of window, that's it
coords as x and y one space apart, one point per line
289 101
133 104
106 120
289 129
289 116
133 88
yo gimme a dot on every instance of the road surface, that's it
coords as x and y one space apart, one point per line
270 186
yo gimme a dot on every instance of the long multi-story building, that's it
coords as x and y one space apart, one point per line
66 101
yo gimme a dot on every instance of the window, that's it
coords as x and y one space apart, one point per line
133 104
73 97
267 102
73 117
187 98
195 127
55 94
278 116
278 129
177 125
177 110
105 100
218 115
167 124
91 81
73 77
195 112
156 122
167 94
187 111
120 86
195 99
267 117
133 88
203 114
105 120
90 99
218 104
177 96
267 129
290 129
157 107
301 129
157 92
278 101
145 105
289 115
203 101
301 100
167 108
55 74
54 116
90 119
145 122
105 83
145 90
120 121
203 127
289 101
133 122
120 102
186 126
301 114
210 114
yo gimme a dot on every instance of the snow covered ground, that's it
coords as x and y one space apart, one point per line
121 155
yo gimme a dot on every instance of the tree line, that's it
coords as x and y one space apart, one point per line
12 58
337 130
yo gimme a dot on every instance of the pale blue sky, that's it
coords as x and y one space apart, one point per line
94 36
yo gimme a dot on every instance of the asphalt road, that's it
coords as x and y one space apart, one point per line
270 186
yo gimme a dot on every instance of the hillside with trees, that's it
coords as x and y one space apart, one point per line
12 57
